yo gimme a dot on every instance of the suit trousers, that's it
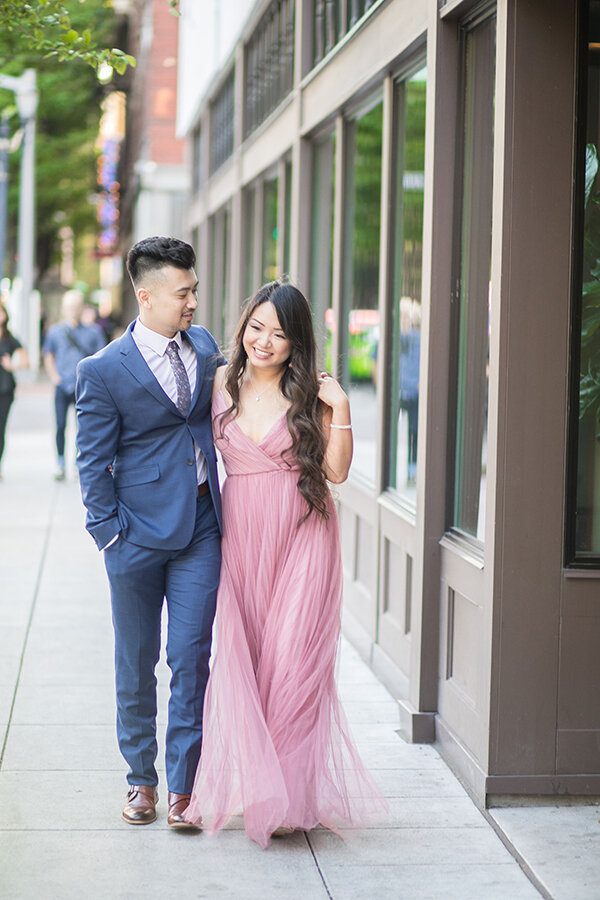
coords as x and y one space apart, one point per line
140 580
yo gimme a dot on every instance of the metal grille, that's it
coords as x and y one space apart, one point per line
221 125
269 63
332 19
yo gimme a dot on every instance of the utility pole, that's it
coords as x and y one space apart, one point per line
4 158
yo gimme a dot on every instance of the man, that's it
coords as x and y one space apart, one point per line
66 344
147 468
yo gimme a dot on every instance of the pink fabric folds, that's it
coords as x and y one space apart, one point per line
276 745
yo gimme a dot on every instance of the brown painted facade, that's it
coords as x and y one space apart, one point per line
460 586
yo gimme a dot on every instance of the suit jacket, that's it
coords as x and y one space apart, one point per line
137 468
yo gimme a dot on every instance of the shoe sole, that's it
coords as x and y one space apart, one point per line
138 822
183 826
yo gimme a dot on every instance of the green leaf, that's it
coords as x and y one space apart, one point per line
591 169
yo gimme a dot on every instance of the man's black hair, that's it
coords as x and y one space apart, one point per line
153 253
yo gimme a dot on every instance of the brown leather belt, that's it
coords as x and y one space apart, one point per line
203 489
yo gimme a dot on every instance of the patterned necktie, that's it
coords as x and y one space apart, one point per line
184 396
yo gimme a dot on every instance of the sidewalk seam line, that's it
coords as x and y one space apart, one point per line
319 870
517 856
30 620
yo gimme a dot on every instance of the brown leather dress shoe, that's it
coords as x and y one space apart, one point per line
178 803
140 808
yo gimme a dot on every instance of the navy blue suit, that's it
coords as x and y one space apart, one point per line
138 479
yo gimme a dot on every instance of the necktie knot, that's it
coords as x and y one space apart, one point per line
181 378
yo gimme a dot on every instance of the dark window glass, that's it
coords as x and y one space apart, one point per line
584 502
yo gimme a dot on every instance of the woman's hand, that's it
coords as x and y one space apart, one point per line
332 394
337 428
6 362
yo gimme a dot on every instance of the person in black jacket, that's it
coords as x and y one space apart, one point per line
12 356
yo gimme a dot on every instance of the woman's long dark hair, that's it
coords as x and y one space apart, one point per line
298 384
4 330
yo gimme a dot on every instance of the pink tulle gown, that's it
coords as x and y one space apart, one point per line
276 746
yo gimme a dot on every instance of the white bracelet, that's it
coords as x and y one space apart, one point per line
344 427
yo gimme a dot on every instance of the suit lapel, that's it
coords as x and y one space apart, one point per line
135 363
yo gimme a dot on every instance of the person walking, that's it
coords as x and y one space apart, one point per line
13 356
276 745
66 344
148 476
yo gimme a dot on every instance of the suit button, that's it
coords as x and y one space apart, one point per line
190 462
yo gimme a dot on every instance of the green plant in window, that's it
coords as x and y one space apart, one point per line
589 385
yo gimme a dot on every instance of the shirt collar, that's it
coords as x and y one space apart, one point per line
153 340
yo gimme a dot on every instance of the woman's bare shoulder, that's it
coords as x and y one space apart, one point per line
219 381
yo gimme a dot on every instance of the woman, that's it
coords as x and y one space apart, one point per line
12 357
275 743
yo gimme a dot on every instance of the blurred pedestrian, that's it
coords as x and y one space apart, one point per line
148 475
13 356
107 320
66 344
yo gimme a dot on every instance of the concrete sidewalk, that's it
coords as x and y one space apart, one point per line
62 780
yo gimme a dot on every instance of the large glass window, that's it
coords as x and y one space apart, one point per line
269 230
584 513
361 282
321 236
474 229
196 159
287 213
220 239
409 179
250 281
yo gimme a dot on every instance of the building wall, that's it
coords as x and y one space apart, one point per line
462 603
155 170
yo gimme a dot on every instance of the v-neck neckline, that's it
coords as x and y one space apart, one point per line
247 436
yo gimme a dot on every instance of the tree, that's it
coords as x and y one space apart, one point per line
68 114
49 28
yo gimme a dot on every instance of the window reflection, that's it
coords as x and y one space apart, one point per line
321 251
269 235
250 279
220 238
472 344
361 283
408 253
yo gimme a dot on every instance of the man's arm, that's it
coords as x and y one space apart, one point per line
98 431
51 370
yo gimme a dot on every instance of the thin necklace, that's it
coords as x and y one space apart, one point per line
258 394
